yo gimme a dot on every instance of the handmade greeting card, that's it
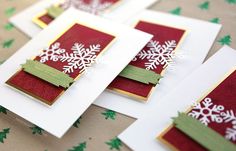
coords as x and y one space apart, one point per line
69 64
33 19
96 7
214 113
179 46
151 60
208 125
64 61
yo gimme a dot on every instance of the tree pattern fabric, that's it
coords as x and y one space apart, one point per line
11 41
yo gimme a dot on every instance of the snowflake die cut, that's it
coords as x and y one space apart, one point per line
94 6
52 53
206 112
157 54
230 116
81 58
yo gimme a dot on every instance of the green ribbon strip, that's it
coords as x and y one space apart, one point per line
55 11
140 75
47 73
202 134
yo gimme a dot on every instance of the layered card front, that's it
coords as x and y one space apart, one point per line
67 66
38 16
179 46
209 84
215 110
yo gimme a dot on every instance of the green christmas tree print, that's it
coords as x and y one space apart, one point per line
36 130
109 114
76 124
3 110
80 147
226 40
3 134
10 11
176 11
204 5
114 144
231 1
9 26
7 43
215 20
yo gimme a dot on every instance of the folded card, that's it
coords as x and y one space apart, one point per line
39 15
179 46
197 86
78 60
216 110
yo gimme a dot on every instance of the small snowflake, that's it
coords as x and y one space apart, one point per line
206 112
52 53
230 116
157 54
81 58
94 6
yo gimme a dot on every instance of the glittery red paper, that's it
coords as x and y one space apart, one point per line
45 91
161 33
224 94
47 19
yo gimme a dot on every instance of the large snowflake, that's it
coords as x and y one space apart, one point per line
206 112
157 54
94 6
51 53
230 116
81 58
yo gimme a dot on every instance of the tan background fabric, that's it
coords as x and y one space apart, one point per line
94 128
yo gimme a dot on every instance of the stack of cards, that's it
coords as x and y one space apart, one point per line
125 59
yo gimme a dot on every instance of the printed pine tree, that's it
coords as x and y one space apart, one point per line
1 62
114 144
9 26
231 1
176 11
3 134
215 20
7 43
36 130
76 124
3 110
226 40
80 147
204 5
109 114
10 11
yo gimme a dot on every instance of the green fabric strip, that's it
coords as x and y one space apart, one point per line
202 134
140 75
55 11
47 73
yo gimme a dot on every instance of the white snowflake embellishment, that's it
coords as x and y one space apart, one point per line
230 116
52 53
81 58
206 112
94 6
157 54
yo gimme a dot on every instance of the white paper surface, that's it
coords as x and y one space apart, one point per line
121 13
195 47
142 134
69 107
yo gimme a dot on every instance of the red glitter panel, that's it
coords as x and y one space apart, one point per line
77 34
161 34
47 19
213 112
